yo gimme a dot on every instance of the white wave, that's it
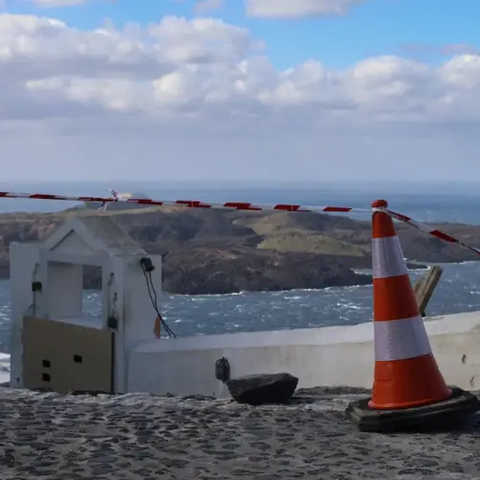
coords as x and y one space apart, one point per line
364 273
354 287
309 289
4 367
212 295
351 306
278 293
4 362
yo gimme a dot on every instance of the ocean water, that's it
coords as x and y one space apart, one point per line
458 291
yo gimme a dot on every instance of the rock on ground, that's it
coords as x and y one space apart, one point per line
260 389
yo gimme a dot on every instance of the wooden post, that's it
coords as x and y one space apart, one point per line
425 287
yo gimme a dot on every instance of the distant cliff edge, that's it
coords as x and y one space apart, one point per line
213 251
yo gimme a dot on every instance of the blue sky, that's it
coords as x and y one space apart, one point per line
375 27
333 97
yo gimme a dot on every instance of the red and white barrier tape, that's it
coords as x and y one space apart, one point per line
240 206
47 196
433 232
245 206
116 198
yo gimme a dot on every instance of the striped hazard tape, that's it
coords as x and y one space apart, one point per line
126 198
431 231
184 203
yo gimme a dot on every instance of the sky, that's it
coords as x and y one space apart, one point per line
240 90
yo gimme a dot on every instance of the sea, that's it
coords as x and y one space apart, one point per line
458 291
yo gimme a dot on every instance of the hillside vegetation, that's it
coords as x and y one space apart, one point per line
214 251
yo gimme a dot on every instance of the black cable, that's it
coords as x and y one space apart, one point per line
152 293
155 301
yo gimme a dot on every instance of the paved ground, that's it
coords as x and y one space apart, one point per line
142 437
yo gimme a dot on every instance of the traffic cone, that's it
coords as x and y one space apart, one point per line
406 373
408 387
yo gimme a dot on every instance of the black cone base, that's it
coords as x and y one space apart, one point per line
437 416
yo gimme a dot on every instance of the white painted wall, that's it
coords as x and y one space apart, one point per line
331 356
24 267
139 314
57 264
135 311
65 287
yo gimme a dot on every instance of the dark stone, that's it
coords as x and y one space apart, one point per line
446 415
263 388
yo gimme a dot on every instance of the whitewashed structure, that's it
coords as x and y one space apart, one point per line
55 346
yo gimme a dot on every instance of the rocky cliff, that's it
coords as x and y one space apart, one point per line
209 251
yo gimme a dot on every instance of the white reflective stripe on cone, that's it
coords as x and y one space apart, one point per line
387 258
400 339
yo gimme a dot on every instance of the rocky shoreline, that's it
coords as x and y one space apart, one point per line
218 252
145 437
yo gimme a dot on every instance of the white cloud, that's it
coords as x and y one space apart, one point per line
200 99
203 6
297 8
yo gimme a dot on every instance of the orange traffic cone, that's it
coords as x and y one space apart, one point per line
408 388
406 373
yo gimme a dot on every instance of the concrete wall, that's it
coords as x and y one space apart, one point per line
331 356
26 259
